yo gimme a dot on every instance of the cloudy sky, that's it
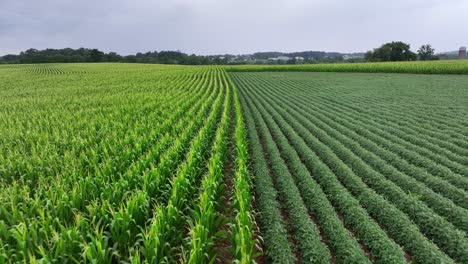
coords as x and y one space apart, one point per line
231 26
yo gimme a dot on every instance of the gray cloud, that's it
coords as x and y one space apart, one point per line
230 26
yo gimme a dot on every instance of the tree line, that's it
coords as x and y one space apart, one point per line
392 51
82 55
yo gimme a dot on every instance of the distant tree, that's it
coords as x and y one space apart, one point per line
96 55
219 61
355 60
130 59
30 52
369 56
10 58
292 61
112 57
426 52
393 51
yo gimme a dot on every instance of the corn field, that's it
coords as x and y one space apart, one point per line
413 67
122 163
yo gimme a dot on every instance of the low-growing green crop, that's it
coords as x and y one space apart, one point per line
369 156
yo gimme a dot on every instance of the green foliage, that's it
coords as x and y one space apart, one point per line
69 55
393 51
414 67
243 229
368 154
122 163
426 52
113 163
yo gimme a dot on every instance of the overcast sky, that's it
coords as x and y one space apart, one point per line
231 26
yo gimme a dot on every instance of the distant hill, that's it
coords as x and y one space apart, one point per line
449 53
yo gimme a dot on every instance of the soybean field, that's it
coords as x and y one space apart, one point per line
112 163
359 168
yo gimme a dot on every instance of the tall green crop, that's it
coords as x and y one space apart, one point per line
94 157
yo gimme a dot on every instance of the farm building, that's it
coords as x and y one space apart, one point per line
280 58
462 53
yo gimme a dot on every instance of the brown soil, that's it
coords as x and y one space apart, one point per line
364 247
323 236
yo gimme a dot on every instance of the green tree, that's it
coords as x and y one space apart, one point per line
426 52
392 51
96 55
112 57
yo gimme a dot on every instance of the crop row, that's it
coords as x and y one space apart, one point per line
447 140
344 161
85 192
362 133
419 67
450 239
94 168
164 233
